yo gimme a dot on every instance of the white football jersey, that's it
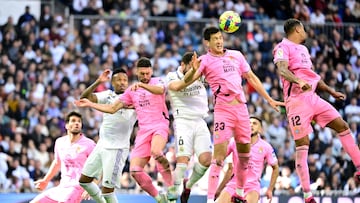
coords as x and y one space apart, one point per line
190 102
116 129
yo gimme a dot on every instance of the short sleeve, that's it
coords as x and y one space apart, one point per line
171 77
56 150
244 65
271 158
281 53
102 97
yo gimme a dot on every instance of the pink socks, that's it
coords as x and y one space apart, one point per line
242 169
213 178
302 168
163 167
350 147
144 180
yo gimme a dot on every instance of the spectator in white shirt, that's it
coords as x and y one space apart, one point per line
352 111
317 17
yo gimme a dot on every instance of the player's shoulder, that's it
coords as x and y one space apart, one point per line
233 51
87 140
171 75
61 139
265 144
283 44
155 80
104 93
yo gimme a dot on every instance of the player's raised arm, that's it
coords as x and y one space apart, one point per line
289 76
256 83
322 86
193 74
106 108
89 92
154 89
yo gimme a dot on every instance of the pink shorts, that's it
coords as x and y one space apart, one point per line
231 120
65 194
142 147
301 111
249 186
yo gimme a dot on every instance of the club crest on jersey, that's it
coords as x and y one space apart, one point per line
231 57
261 150
297 130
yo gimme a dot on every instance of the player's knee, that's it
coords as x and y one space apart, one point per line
85 179
343 127
205 162
156 153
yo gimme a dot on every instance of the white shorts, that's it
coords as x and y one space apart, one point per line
108 161
192 137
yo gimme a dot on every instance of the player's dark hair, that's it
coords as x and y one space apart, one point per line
143 62
118 70
290 25
187 57
210 31
72 113
257 118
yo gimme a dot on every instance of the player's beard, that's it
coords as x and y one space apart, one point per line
253 134
75 131
120 91
145 81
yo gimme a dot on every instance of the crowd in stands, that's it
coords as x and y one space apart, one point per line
45 65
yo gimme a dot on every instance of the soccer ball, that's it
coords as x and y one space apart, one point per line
229 21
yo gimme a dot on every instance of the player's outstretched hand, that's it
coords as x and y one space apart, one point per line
41 184
269 195
135 86
105 76
195 62
276 104
304 86
82 102
338 95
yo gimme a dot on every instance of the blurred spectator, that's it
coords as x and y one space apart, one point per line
317 17
352 110
79 5
26 17
275 133
46 18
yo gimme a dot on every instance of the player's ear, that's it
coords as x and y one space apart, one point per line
206 42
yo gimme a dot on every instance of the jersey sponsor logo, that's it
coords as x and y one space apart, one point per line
191 91
228 66
143 101
304 58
